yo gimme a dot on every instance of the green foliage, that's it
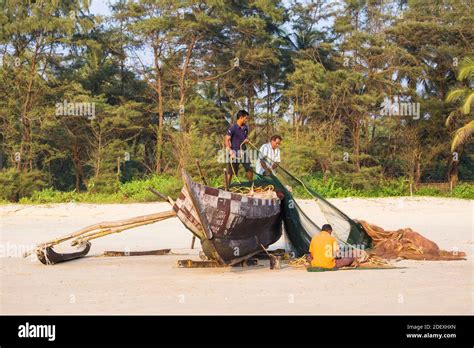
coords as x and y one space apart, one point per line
366 179
393 188
138 190
331 188
16 185
49 196
339 188
105 183
130 192
428 191
464 190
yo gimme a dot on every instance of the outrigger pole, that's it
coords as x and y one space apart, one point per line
83 236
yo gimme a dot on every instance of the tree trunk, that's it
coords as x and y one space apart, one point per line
297 121
356 144
454 174
367 137
159 135
295 108
453 163
269 111
25 146
417 172
373 131
78 170
182 83
99 155
453 168
159 129
158 87
250 101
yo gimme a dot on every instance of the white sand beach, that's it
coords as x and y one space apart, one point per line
155 285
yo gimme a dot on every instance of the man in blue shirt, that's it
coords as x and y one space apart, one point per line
235 140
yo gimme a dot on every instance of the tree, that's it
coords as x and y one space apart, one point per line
28 38
466 96
462 135
436 35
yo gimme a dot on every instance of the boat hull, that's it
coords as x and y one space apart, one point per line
232 227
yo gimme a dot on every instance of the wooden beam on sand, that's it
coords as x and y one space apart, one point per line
137 253
213 263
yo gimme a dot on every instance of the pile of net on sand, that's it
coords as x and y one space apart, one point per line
407 244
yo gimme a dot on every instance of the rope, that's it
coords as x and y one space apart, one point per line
298 263
370 259
45 255
251 190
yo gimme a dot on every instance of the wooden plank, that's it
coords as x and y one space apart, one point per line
160 195
201 216
213 264
198 264
137 253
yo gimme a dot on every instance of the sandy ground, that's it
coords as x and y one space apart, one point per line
155 285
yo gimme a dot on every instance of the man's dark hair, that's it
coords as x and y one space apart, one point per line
327 228
275 137
242 113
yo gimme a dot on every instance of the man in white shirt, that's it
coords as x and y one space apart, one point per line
269 156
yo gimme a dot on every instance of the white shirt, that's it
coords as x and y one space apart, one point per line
273 156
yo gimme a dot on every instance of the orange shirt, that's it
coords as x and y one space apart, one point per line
322 248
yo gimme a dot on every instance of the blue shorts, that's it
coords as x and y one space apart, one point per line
233 167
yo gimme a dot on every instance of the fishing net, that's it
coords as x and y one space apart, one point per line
298 227
407 244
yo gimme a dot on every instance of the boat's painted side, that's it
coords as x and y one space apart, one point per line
232 227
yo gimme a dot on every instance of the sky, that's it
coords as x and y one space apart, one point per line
100 7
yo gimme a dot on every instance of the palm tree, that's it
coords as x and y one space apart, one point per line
463 134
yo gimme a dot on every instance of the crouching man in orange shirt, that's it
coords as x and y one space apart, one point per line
324 248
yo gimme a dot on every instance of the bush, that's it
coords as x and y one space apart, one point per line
367 179
133 191
329 188
339 187
429 191
16 185
138 190
464 190
391 188
49 195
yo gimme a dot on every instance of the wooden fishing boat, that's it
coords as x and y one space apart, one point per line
231 227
